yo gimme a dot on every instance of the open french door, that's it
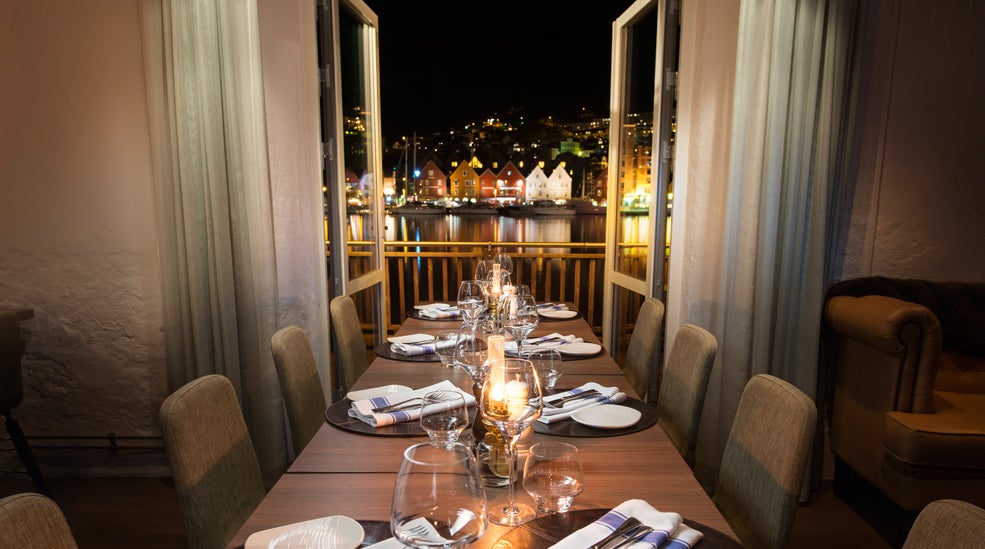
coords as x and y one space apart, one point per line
351 148
641 123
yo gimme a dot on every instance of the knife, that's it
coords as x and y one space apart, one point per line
625 529
637 536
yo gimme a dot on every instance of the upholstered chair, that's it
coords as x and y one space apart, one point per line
347 335
216 473
764 461
643 345
299 383
947 524
32 521
683 386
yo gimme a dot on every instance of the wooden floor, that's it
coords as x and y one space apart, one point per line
120 512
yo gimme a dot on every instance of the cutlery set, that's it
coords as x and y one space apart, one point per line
560 402
625 535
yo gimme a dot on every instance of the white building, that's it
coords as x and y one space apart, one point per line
537 185
559 184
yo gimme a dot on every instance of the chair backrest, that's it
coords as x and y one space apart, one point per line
216 474
643 345
764 461
350 347
33 521
11 385
299 383
683 386
946 524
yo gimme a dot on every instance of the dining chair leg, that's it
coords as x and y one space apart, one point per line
24 451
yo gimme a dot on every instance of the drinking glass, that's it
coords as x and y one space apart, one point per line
438 499
471 300
505 262
470 354
444 415
553 476
511 401
482 270
520 322
548 365
444 346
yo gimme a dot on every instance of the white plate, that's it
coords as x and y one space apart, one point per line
558 313
334 532
377 391
432 306
579 348
607 416
411 338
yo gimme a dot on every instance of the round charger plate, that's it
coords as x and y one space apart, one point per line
571 428
608 416
338 416
432 305
384 351
334 532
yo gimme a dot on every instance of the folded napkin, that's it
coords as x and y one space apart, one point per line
545 342
608 395
363 409
411 349
434 312
664 526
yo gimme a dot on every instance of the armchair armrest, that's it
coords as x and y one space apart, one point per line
907 332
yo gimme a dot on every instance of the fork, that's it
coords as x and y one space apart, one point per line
560 402
396 406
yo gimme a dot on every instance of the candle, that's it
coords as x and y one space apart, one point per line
496 356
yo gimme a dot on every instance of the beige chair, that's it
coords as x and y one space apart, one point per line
643 345
32 521
683 386
299 383
947 524
216 474
764 461
350 347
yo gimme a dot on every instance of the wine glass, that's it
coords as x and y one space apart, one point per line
553 476
511 401
444 415
438 499
482 269
470 355
505 262
471 300
521 321
548 365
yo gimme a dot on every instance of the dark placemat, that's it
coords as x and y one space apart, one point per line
376 531
571 428
416 313
545 531
338 416
384 351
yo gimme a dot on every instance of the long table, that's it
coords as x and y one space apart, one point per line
346 473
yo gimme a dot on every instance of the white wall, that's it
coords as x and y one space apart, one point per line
78 236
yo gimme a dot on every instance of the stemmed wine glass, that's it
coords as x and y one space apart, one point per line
471 354
471 300
511 401
505 262
438 499
522 321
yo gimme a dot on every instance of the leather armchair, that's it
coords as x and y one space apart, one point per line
907 410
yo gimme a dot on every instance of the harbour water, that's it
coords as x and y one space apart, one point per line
494 228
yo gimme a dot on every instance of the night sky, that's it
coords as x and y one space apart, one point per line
445 63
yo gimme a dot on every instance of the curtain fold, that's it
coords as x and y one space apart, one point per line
762 296
217 227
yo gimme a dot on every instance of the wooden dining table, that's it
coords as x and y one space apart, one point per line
341 472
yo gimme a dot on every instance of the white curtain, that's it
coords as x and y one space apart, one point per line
749 241
214 191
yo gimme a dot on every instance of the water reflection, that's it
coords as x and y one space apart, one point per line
455 228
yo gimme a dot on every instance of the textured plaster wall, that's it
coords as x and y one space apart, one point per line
917 210
78 237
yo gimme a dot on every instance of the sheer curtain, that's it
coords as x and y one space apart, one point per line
748 254
216 205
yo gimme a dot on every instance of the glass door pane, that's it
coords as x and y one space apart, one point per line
351 146
644 57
